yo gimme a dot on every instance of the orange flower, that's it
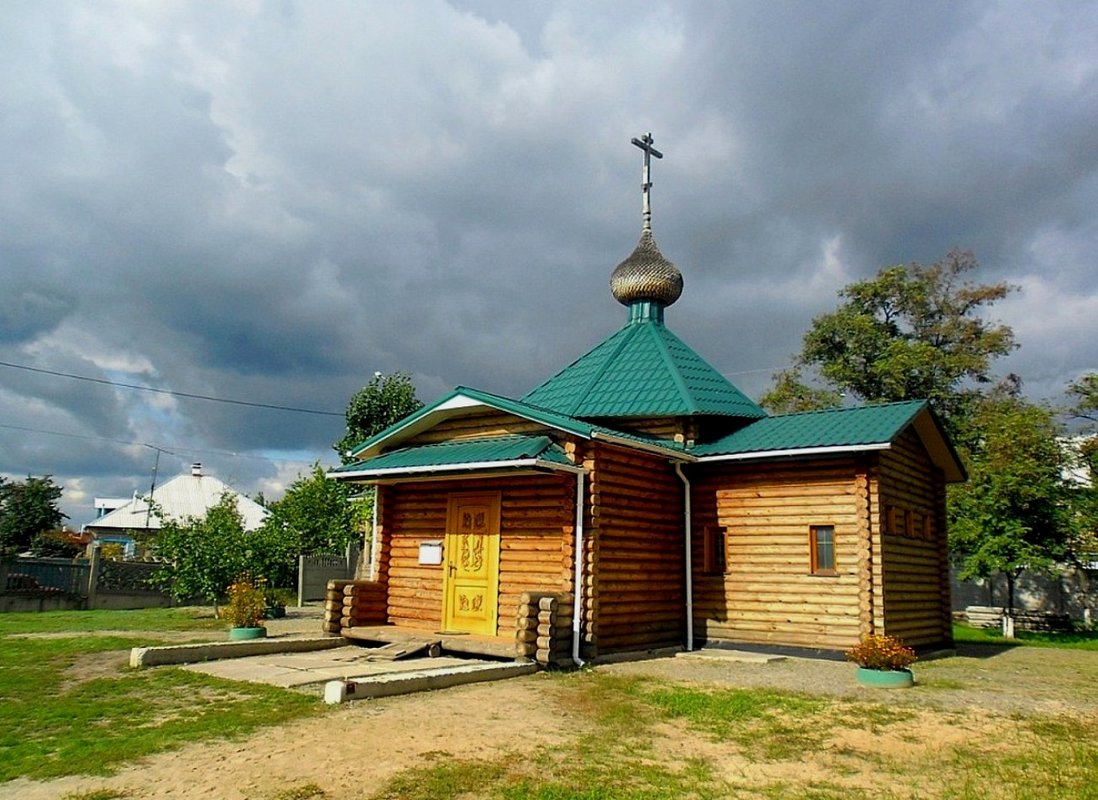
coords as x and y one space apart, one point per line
881 652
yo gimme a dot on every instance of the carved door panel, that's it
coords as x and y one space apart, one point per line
470 583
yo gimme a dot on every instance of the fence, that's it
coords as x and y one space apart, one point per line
41 584
1070 592
314 572
44 576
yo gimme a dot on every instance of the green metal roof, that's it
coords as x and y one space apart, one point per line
496 450
643 370
423 420
838 430
832 428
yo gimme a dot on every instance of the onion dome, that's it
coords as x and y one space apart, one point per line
646 275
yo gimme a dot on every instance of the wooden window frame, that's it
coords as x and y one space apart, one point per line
814 551
714 550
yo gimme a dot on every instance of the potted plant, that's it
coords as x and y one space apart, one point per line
246 608
883 661
277 600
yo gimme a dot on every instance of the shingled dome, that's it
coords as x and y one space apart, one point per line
646 275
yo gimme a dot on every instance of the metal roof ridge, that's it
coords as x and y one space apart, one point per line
917 404
625 332
676 375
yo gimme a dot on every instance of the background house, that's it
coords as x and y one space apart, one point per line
185 496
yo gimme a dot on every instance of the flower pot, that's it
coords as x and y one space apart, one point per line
237 634
886 678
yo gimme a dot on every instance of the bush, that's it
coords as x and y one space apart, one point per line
881 652
247 602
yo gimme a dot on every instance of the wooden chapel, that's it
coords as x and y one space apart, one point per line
638 500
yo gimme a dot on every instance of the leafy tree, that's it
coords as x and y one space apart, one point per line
207 554
911 332
1084 493
791 394
384 401
317 513
1013 514
55 544
28 508
1085 392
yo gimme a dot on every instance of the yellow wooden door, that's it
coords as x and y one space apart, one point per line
470 581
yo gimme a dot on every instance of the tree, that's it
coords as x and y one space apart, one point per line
55 544
912 332
1013 514
317 514
792 395
1085 392
1084 491
206 554
28 508
384 401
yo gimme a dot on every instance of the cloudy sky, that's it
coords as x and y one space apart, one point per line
270 201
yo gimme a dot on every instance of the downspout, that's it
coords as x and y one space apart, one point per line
375 545
578 556
688 528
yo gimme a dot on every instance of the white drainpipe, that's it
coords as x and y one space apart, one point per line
688 527
375 545
577 556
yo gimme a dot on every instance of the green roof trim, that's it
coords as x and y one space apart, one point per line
422 420
486 453
642 370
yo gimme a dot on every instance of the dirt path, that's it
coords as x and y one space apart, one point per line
345 751
349 751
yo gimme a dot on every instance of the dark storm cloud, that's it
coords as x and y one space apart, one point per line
270 202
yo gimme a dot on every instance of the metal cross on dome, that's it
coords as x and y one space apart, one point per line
645 144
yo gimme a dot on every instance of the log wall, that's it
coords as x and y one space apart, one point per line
537 512
767 594
542 631
914 548
634 593
353 603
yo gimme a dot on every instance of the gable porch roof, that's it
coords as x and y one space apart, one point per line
490 453
464 401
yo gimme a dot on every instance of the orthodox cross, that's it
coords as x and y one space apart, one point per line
645 144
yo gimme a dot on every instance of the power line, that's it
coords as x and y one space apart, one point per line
170 392
176 450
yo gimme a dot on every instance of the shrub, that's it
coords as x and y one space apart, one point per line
247 602
881 652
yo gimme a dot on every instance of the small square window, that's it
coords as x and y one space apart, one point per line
821 547
714 549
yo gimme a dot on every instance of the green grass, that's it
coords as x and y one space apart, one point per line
1077 640
69 705
766 743
145 619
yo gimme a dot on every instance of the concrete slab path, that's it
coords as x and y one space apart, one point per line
291 670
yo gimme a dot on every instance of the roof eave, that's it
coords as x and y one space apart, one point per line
760 455
461 399
938 445
373 475
637 444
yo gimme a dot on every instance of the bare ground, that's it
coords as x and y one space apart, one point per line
351 750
